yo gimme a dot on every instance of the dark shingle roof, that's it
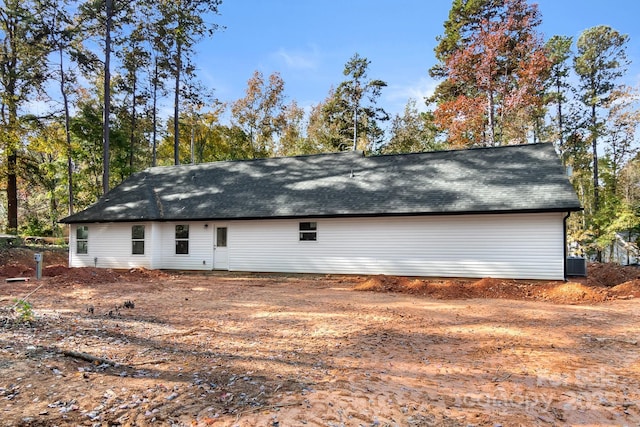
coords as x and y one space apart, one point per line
519 178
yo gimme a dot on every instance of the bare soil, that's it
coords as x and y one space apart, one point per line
138 348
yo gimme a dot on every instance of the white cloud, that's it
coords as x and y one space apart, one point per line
298 59
397 95
419 90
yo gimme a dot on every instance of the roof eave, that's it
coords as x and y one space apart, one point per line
335 215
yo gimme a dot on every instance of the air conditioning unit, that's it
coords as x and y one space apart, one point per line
576 266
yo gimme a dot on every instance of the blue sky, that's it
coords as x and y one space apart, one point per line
309 41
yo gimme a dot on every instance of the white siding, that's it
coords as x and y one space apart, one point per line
200 255
509 245
110 243
109 246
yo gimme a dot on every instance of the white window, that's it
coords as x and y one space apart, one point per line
182 239
137 240
308 231
82 239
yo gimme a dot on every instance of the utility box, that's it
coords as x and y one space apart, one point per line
38 259
577 266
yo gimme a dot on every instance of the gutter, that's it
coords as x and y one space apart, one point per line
564 242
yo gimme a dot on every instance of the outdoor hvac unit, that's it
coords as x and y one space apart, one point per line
576 266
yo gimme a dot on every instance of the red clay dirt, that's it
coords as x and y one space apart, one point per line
141 348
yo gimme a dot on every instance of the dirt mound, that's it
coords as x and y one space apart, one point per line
90 275
19 262
143 273
16 270
552 291
436 288
630 289
572 292
381 283
24 256
610 274
55 270
86 275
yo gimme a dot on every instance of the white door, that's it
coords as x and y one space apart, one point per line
220 254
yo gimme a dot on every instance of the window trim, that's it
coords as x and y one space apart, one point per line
135 240
310 229
226 234
181 239
82 240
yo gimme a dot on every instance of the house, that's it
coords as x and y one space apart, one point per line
624 249
497 212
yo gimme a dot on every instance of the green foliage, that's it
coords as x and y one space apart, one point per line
36 227
25 47
413 132
601 59
260 113
24 310
349 118
557 85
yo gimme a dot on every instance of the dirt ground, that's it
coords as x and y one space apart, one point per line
138 348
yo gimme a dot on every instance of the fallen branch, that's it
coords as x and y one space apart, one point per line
180 333
262 408
150 362
88 357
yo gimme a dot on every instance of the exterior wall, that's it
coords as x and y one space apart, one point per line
109 246
528 246
509 245
110 243
200 255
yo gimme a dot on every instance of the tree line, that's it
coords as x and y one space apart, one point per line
82 81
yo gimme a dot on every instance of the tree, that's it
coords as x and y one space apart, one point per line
66 38
260 114
494 64
135 59
44 169
600 61
292 140
183 26
621 133
349 110
412 132
322 131
559 52
105 20
24 47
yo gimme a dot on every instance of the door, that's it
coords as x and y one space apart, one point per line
220 253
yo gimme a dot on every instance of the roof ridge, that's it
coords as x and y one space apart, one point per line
356 153
466 149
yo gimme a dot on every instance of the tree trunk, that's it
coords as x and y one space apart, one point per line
12 190
107 97
67 130
560 123
176 107
154 137
193 137
596 181
491 117
132 134
594 148
12 164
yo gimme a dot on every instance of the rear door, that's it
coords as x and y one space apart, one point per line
220 252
